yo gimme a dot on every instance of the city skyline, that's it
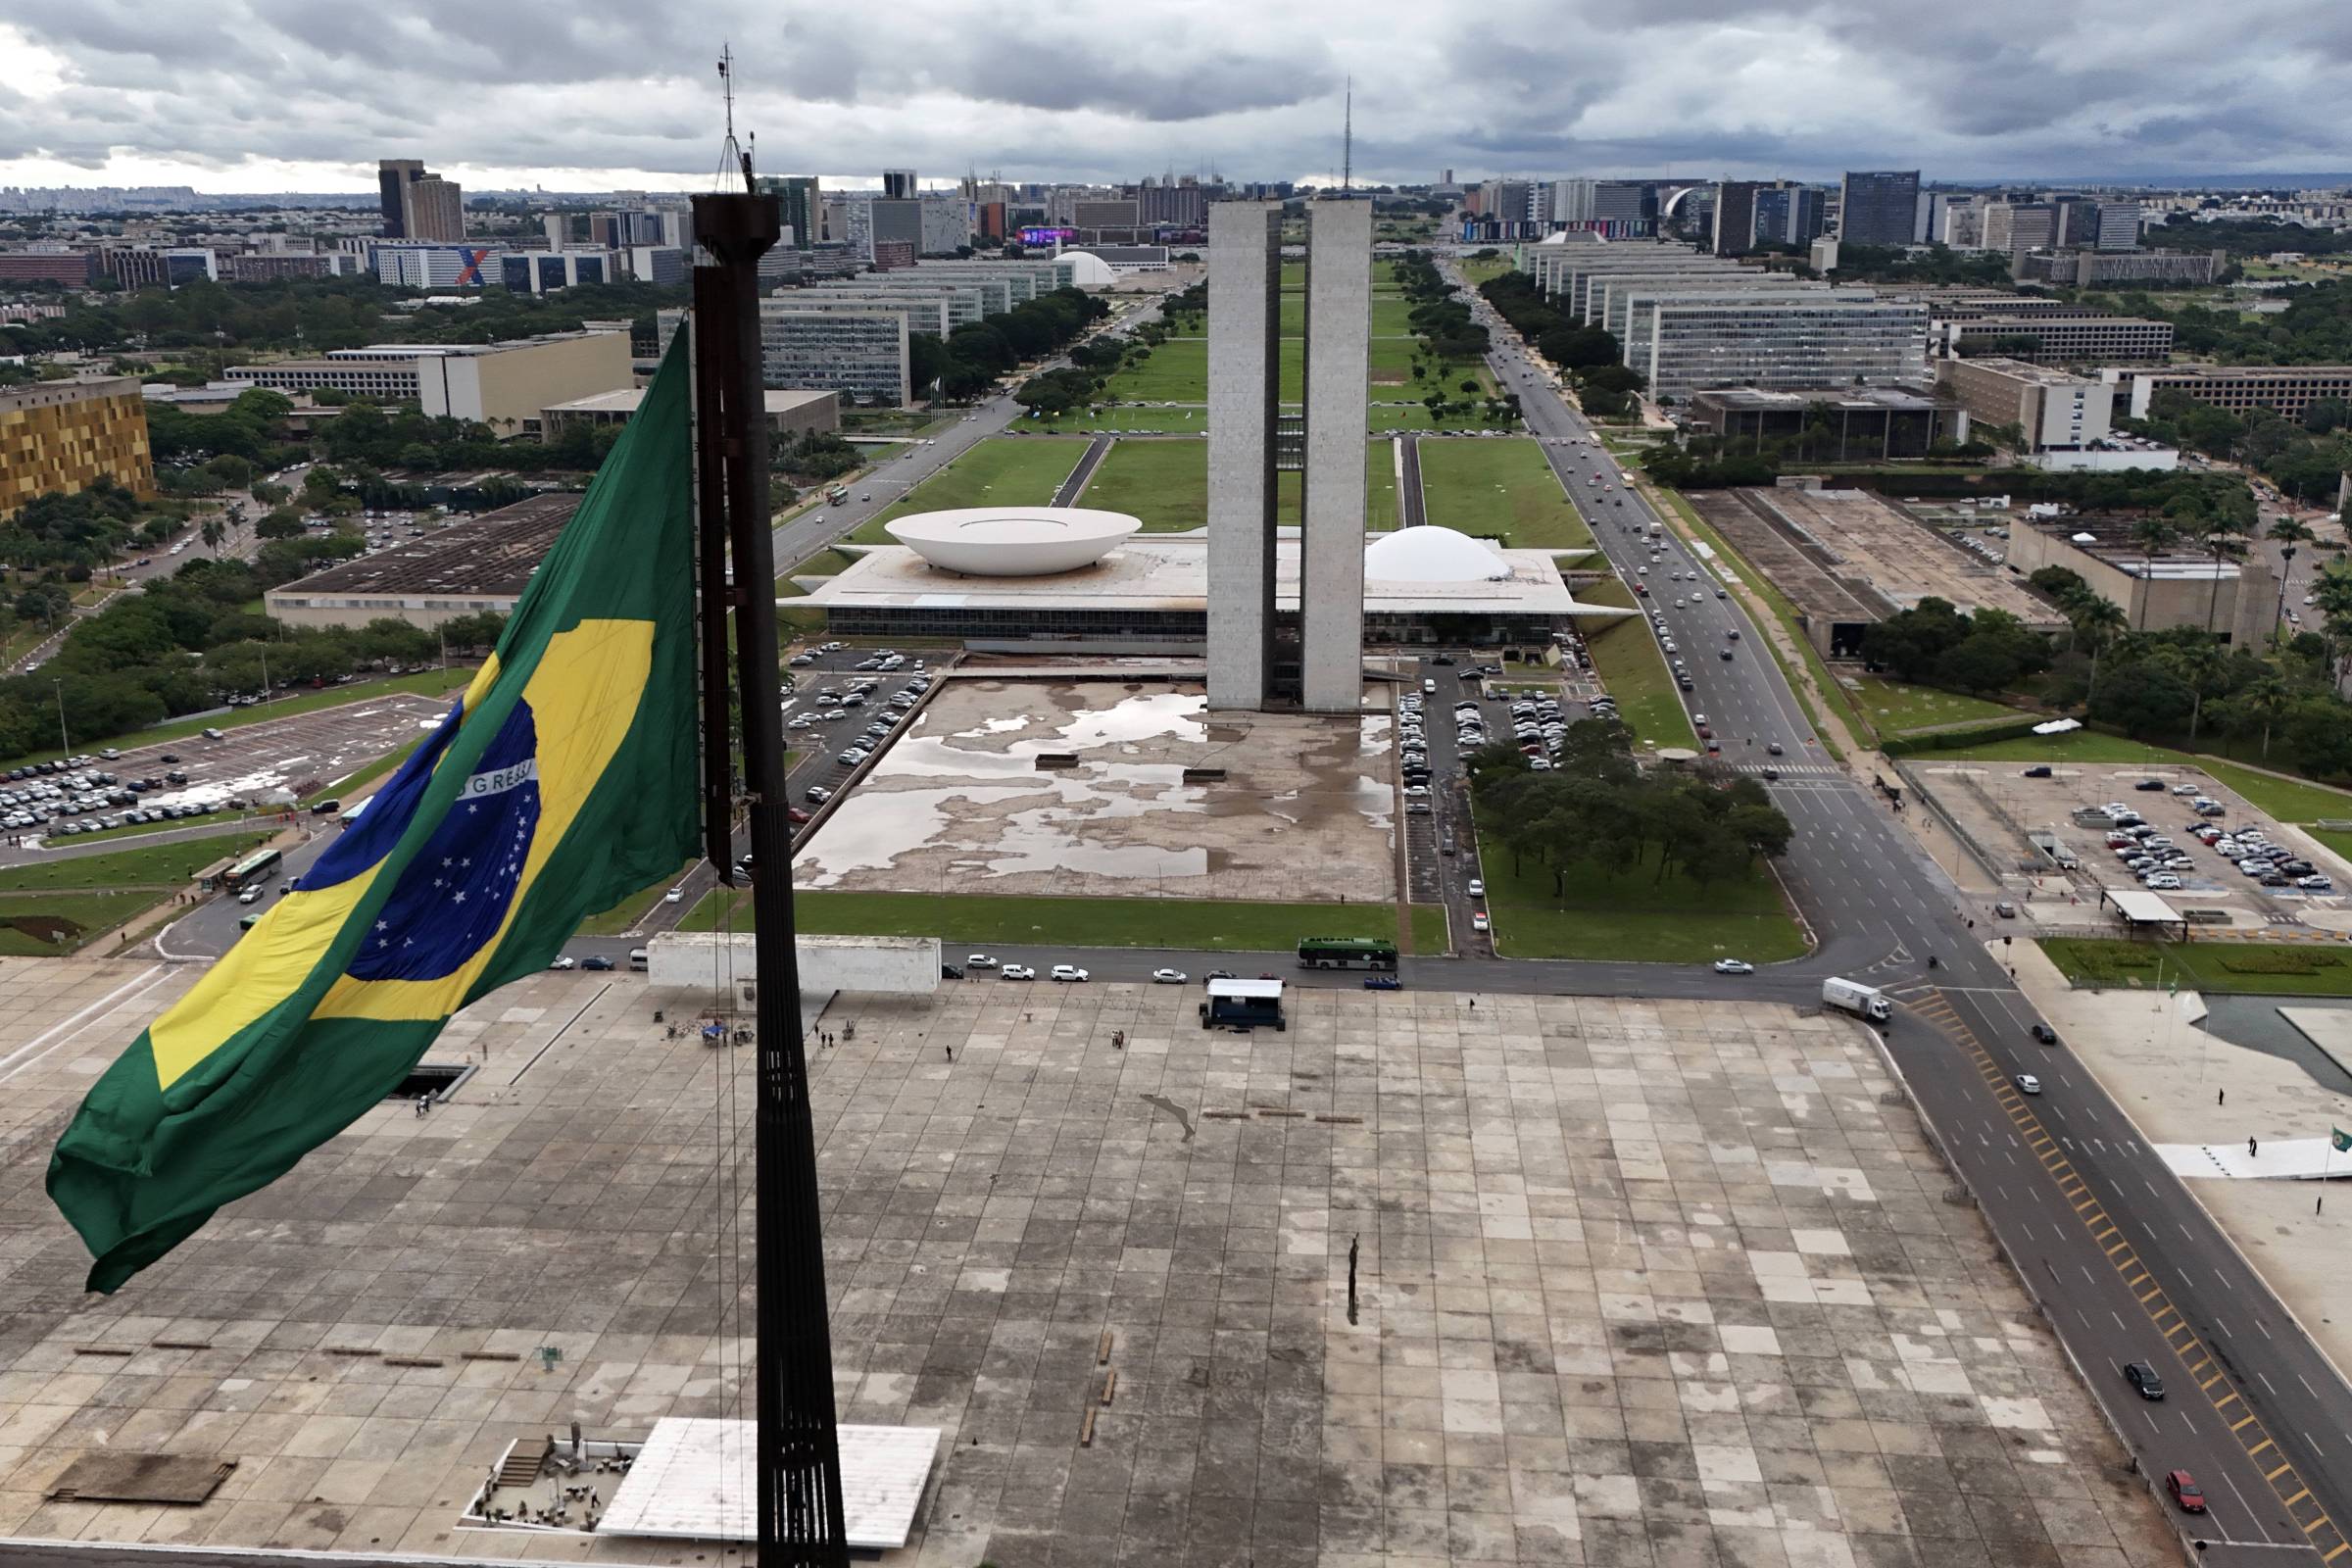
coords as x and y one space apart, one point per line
1703 89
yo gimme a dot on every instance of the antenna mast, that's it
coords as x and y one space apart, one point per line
1347 142
733 151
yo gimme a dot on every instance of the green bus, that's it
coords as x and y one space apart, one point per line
258 866
1346 953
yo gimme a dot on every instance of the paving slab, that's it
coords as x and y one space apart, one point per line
1643 1282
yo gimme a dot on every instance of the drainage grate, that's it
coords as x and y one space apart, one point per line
437 1080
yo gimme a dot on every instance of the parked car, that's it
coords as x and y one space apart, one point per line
565 960
1383 982
1017 971
1733 966
1068 972
979 960
590 962
1167 977
951 971
2039 770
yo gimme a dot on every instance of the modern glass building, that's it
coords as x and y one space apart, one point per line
1879 207
1775 342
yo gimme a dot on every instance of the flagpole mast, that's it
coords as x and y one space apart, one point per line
798 1454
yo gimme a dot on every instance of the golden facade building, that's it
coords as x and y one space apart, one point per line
60 435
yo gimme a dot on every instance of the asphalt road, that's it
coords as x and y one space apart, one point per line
2108 1238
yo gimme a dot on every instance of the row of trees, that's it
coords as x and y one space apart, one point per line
1595 808
964 364
1606 385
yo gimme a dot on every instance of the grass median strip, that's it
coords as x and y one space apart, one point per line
2260 968
1501 487
1633 668
977 920
1633 916
1002 471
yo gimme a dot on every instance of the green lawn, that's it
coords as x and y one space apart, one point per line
1632 916
431 682
2075 746
1121 418
1629 660
1241 927
1177 371
1384 416
2263 969
1893 708
1477 271
1380 485
96 914
1163 483
154 865
1500 487
1000 471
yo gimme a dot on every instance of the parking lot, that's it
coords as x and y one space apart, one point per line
275 762
2000 806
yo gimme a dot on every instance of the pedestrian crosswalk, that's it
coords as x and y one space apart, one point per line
1792 770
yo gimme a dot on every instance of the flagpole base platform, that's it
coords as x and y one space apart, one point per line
695 1479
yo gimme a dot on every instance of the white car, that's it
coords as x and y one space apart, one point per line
1167 977
1478 921
2027 1084
676 895
979 960
1477 887
250 895
1733 966
1017 971
564 961
1068 971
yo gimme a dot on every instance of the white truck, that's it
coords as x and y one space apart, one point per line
1851 996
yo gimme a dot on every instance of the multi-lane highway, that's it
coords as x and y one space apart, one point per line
2127 1265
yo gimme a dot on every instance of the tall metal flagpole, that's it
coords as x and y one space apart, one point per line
799 1453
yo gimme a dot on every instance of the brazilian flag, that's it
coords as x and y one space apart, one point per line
564 780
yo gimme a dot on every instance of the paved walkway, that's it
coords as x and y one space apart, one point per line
2182 1086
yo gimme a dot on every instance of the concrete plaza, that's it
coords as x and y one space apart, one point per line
1640 1283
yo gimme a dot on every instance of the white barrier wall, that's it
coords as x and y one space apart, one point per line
709 962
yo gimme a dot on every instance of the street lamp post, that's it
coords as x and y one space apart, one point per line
64 741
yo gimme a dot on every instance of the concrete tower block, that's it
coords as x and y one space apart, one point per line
1245 319
1331 552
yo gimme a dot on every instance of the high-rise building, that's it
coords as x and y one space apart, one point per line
1733 231
2118 225
1879 207
417 205
898 184
1259 653
802 204
1776 342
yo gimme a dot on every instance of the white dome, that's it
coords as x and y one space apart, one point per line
1014 541
1431 554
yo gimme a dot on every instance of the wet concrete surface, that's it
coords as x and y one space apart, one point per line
1079 787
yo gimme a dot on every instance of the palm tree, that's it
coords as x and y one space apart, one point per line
212 533
2098 622
2267 697
2151 533
2201 664
2287 531
2220 539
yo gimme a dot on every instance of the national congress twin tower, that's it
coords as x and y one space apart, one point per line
1261 654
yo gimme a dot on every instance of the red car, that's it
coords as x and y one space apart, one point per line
1642 589
2184 1488
793 814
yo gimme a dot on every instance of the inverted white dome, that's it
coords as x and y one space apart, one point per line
1431 554
1014 541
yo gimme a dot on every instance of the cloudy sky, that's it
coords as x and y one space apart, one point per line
260 95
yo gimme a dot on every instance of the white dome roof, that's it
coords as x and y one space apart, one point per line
1014 541
1431 554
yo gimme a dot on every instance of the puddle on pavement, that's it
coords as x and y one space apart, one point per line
993 813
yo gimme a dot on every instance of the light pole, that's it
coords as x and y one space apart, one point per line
64 741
